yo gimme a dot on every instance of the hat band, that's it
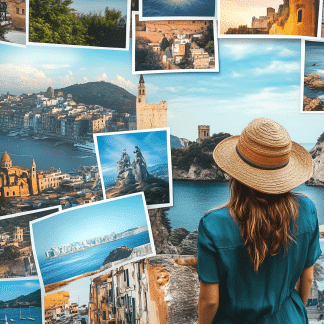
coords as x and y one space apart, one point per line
258 165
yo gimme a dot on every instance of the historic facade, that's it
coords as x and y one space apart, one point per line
203 132
149 115
16 13
16 181
18 234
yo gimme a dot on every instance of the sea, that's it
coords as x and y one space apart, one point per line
22 150
14 313
314 54
169 8
75 264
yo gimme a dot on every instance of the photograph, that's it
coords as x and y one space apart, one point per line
164 9
312 76
16 255
269 17
118 231
98 24
136 161
13 22
20 301
161 46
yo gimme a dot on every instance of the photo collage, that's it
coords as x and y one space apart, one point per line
131 193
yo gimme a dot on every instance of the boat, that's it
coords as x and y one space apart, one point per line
13 134
87 146
6 319
30 318
12 320
21 318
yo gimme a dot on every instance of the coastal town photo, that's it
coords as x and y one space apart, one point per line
174 45
137 161
269 17
118 231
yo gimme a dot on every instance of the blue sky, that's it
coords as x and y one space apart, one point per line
89 222
95 6
15 288
257 78
153 146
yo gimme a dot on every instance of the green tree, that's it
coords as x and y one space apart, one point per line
164 44
210 47
185 61
51 21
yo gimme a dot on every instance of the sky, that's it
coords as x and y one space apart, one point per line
234 13
89 222
257 78
14 288
153 146
95 6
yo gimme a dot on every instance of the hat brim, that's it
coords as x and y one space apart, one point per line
297 171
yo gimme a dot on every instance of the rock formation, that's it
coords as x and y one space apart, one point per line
312 104
122 252
317 153
313 81
197 172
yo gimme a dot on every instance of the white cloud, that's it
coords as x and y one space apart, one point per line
287 52
279 67
54 66
85 79
70 72
174 89
236 75
102 77
123 83
23 77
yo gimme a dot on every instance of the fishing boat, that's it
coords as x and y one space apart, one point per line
30 318
21 318
12 320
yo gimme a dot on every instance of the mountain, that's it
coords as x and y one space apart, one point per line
159 171
101 93
177 142
32 299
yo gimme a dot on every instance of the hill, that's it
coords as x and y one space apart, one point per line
177 142
102 93
32 299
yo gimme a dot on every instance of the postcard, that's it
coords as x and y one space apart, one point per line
13 22
161 46
89 239
20 301
16 256
97 24
136 161
268 18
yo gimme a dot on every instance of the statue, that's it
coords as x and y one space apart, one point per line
123 163
139 166
125 173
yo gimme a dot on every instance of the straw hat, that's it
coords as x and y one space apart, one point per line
264 158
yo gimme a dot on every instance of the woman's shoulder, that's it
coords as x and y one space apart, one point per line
307 214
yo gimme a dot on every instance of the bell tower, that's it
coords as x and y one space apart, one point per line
33 178
141 91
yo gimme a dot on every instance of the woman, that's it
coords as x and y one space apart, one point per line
252 252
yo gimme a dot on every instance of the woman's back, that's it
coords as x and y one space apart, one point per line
247 296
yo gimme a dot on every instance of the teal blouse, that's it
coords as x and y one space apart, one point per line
266 297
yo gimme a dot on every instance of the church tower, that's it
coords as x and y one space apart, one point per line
6 162
33 179
18 234
141 91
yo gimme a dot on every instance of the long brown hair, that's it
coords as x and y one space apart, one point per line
268 223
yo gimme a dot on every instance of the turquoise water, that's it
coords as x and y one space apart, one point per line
14 313
75 264
192 199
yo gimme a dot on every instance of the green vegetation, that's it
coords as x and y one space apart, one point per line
185 62
52 21
146 59
32 299
164 44
195 153
206 41
10 253
242 29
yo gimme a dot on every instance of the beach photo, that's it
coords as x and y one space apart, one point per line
161 9
99 24
269 17
136 161
174 46
16 255
313 77
20 301
118 231
13 22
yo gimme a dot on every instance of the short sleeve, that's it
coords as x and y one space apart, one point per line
314 248
207 256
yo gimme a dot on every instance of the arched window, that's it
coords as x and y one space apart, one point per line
13 193
300 16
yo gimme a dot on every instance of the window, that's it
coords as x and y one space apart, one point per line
17 10
23 11
300 16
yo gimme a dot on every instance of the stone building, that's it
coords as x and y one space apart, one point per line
16 12
18 234
302 20
149 115
56 305
203 132
262 21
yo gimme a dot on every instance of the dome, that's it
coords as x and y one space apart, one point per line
5 157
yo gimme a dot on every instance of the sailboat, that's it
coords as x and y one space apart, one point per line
30 318
6 319
21 318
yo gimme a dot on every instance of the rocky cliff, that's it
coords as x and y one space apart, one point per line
313 81
32 299
122 252
313 104
317 153
196 163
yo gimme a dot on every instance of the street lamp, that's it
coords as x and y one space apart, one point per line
3 11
